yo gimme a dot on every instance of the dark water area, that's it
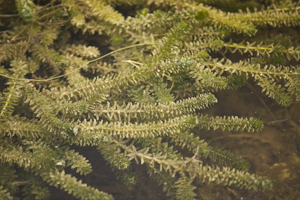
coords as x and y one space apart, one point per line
273 152
104 179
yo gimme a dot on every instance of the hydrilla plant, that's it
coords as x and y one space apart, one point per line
137 101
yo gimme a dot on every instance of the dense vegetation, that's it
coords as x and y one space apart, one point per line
163 61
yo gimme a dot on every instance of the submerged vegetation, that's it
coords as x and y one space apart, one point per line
163 61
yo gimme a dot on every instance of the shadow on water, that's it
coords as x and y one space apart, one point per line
272 152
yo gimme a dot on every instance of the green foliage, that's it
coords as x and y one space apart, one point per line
26 9
185 188
141 100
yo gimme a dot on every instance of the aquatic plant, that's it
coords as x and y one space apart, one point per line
140 99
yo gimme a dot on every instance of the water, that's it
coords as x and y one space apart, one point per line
272 152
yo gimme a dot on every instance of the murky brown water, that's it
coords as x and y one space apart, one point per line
272 152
